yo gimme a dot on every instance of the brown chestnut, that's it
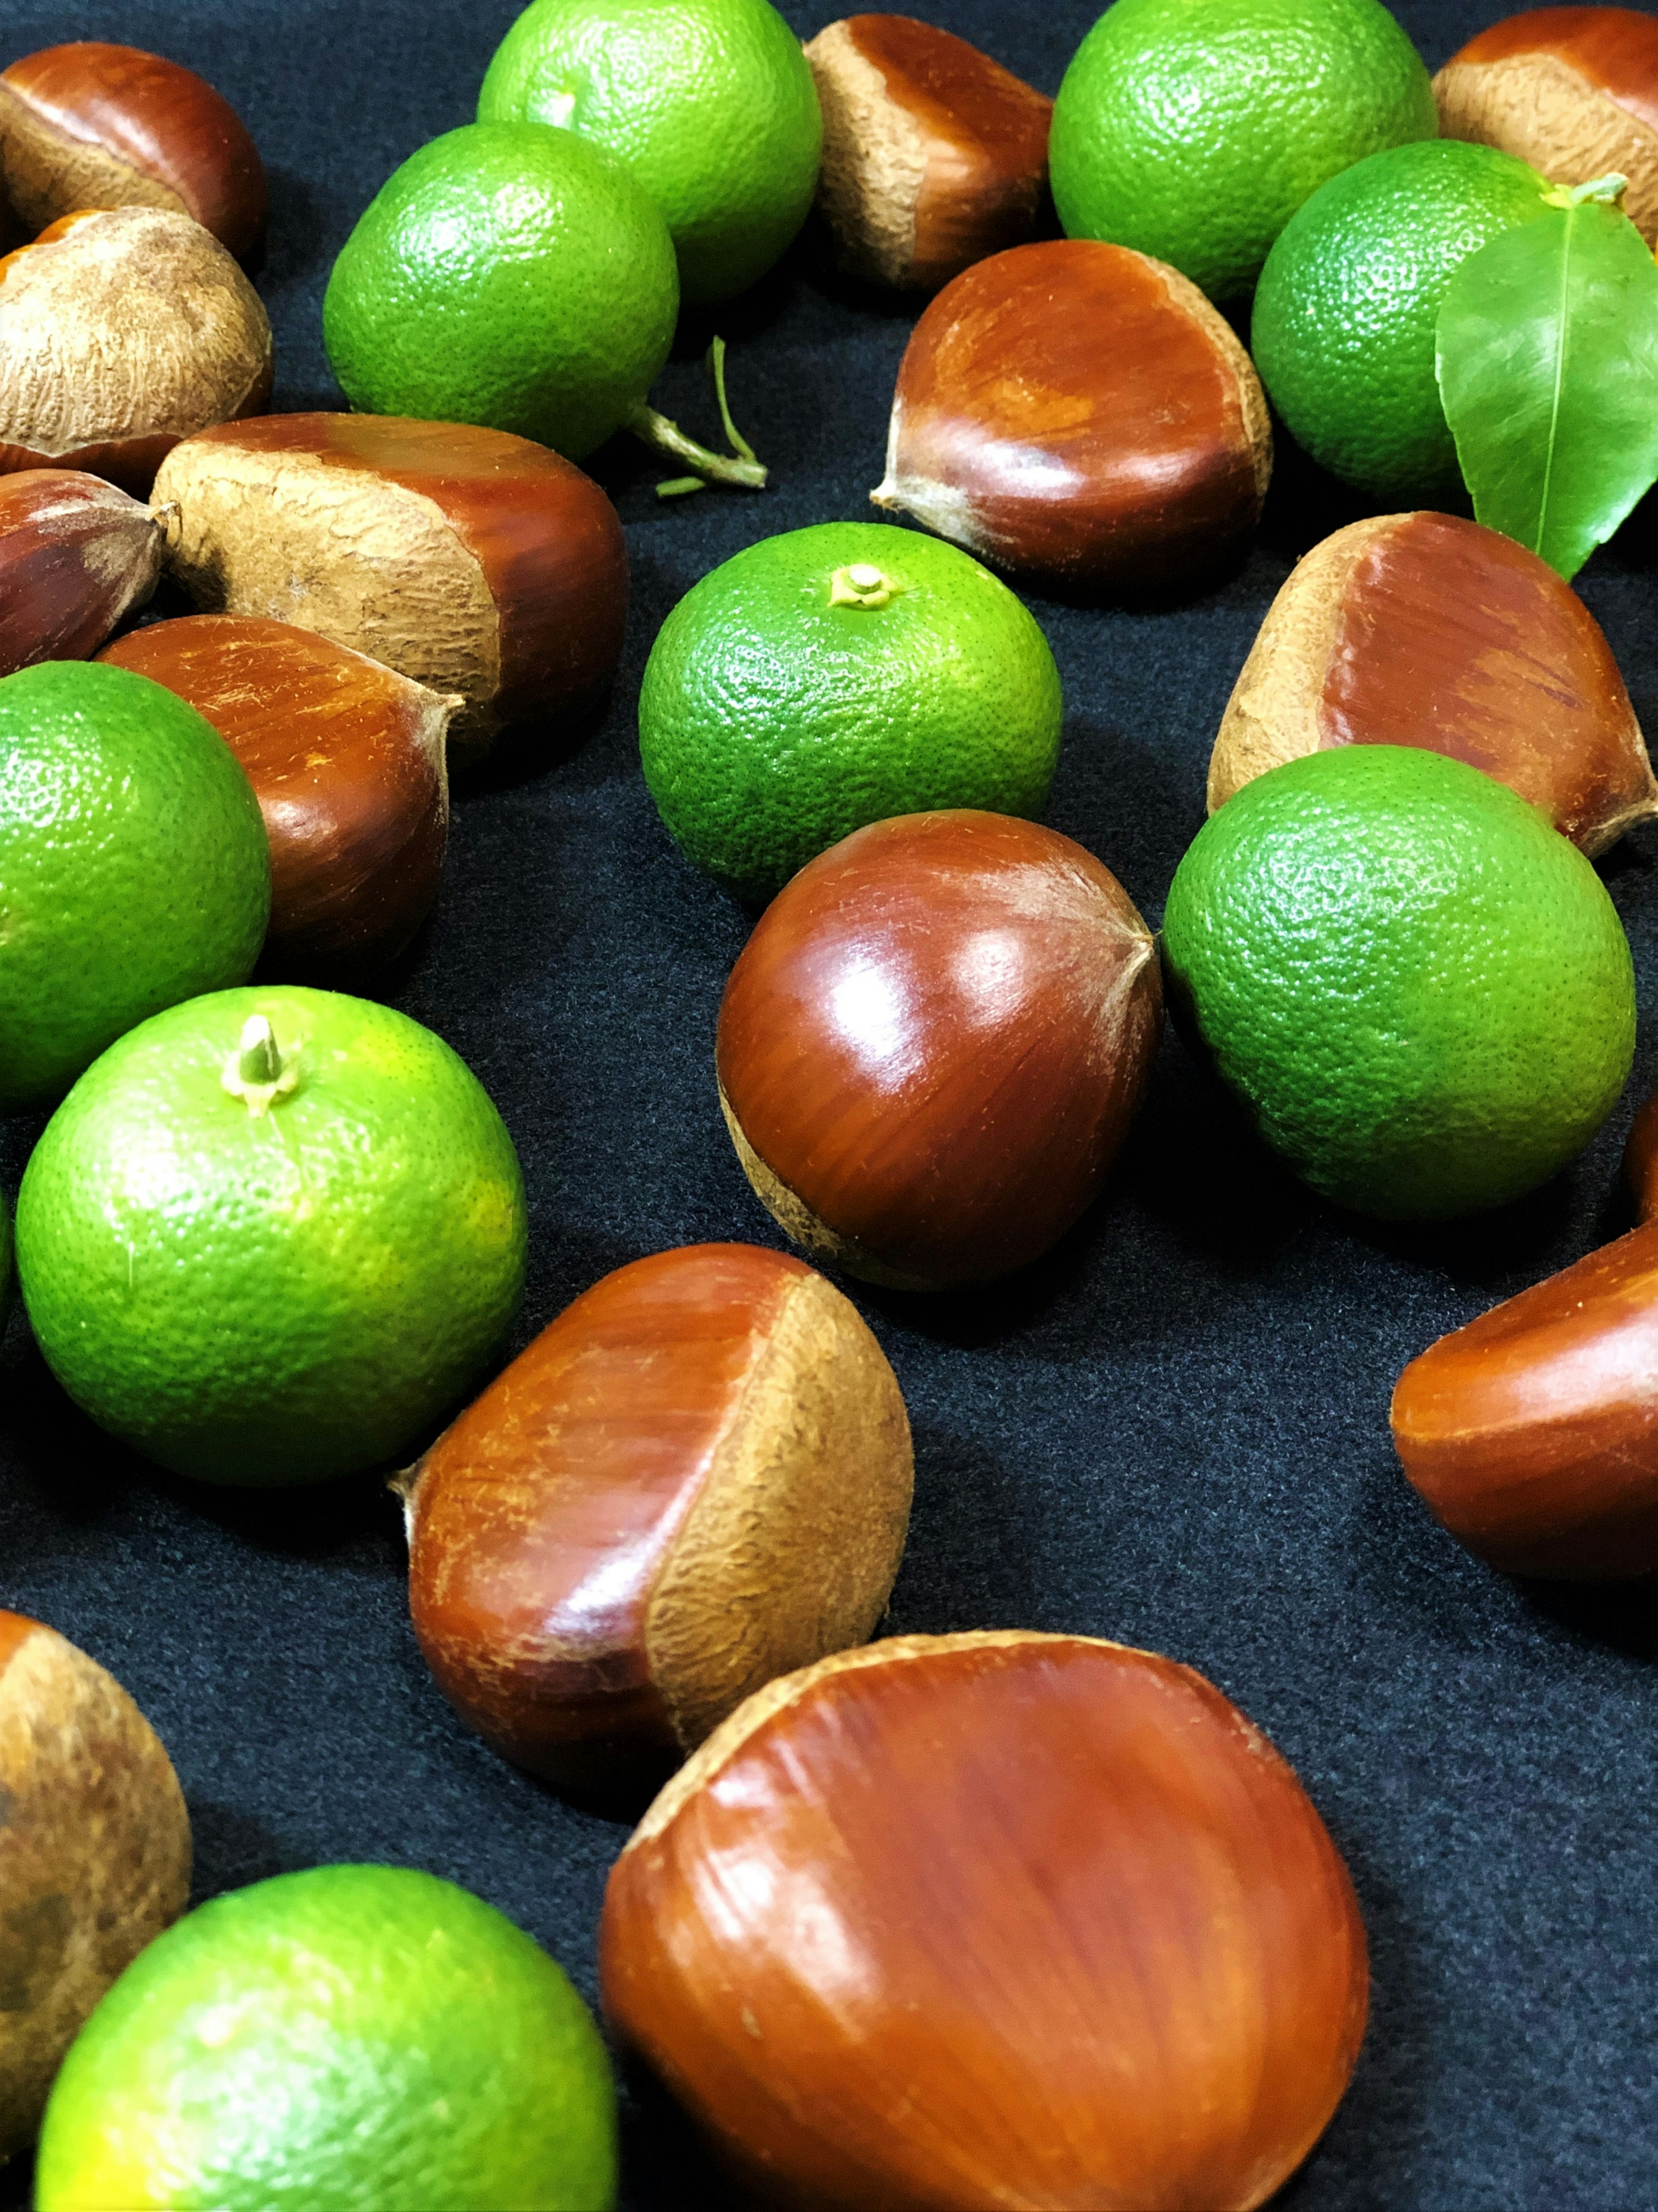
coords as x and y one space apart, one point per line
997 1919
932 1047
1423 629
75 556
348 760
94 1854
1533 1432
1641 1160
934 156
1573 91
697 1479
1080 415
122 331
91 124
472 561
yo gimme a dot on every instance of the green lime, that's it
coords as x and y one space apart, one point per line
134 867
1344 322
1421 992
272 1235
510 276
709 102
362 2038
835 675
1193 130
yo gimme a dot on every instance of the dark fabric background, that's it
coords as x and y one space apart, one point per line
1172 1432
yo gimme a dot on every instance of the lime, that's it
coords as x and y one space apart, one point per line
835 675
1344 322
134 867
510 276
362 2038
1193 130
710 103
272 1235
1420 990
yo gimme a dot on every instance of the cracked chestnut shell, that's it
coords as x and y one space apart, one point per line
1011 1919
697 1478
75 556
1424 630
931 1047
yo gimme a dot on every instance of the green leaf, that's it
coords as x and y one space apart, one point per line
1548 373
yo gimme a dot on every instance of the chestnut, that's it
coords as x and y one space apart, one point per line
698 1477
91 124
94 1854
1573 91
931 1047
122 331
470 560
75 556
1641 1159
934 156
1423 629
1013 1919
1531 1432
349 762
1080 415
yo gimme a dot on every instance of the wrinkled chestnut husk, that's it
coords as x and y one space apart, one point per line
698 1477
76 554
1424 630
934 156
1079 415
349 762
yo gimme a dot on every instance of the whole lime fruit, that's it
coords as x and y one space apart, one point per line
274 1235
710 103
1421 992
1193 130
510 276
134 862
363 2038
1343 319
835 675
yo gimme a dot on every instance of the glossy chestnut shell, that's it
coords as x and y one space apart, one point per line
75 556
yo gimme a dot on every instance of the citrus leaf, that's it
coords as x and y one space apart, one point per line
1547 359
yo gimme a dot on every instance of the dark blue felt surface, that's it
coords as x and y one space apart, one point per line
1172 1432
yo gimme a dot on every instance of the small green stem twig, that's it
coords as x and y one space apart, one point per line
739 468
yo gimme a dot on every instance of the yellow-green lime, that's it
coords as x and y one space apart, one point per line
1420 991
272 1235
507 275
1344 323
353 2038
134 867
834 676
1193 130
710 103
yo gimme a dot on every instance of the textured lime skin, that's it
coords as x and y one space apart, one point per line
772 724
1343 332
710 103
1421 992
364 2039
510 276
1193 129
276 1298
134 867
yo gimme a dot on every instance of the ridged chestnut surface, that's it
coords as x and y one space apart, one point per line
1079 414
94 1854
931 1047
934 156
1011 1920
1424 630
122 331
470 560
348 763
91 124
698 1477
75 556
1573 91
1532 1433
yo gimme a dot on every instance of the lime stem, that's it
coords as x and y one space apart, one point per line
739 468
260 1061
